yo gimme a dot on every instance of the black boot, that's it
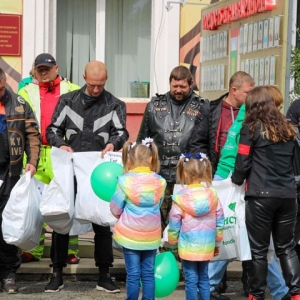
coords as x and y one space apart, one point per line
291 270
245 276
222 286
56 281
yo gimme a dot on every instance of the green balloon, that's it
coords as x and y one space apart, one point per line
166 273
104 179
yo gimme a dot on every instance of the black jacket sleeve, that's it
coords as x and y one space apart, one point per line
118 134
144 131
293 113
200 133
244 157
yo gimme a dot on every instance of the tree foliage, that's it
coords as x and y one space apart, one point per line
295 69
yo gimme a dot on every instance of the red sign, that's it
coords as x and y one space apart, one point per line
232 12
10 35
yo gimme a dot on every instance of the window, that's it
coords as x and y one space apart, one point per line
127 45
76 37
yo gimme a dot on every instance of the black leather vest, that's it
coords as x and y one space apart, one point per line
171 128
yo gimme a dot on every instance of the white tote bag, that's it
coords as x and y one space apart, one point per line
235 244
88 206
57 205
22 220
242 242
234 233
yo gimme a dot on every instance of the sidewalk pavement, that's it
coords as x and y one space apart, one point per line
80 280
86 269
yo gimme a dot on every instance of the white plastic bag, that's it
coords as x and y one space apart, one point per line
22 220
231 196
57 205
80 228
88 206
165 239
242 242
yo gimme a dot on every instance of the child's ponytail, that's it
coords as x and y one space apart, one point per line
194 168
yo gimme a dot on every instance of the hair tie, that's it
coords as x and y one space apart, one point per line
131 146
187 156
147 142
200 156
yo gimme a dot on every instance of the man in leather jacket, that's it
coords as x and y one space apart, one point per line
168 120
89 119
18 135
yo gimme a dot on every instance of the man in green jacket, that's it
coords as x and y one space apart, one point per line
42 94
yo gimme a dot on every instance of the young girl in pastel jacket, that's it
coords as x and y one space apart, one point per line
136 203
196 223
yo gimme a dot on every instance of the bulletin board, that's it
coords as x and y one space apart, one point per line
254 42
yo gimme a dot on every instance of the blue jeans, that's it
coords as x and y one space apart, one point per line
139 267
196 279
275 281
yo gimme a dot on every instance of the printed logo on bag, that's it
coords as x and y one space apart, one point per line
232 205
232 241
229 221
16 146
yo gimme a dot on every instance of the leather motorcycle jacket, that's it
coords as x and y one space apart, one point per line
170 122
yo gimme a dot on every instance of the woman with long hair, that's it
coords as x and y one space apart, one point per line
265 160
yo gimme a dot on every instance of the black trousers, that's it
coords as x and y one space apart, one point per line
103 252
277 216
166 206
9 258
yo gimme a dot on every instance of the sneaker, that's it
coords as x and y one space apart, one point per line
56 284
107 285
8 285
27 257
73 259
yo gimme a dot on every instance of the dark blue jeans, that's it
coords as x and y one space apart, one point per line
139 267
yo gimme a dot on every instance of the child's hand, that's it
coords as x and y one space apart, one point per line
217 251
117 217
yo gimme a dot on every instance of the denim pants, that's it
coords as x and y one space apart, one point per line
275 281
196 279
139 268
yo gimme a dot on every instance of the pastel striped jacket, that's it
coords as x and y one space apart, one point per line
136 203
196 222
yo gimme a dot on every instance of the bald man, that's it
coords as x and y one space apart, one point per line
91 103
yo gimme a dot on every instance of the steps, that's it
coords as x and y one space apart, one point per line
86 269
